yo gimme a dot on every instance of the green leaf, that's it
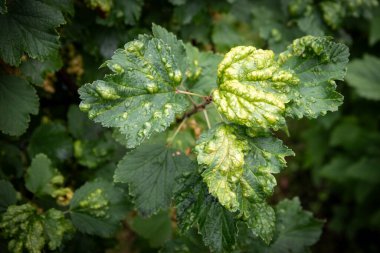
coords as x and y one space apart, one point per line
366 170
296 229
238 172
251 88
195 206
203 66
151 171
186 243
36 71
156 229
226 33
11 163
29 230
42 179
128 11
317 62
80 126
363 75
335 170
52 140
139 98
29 26
7 195
97 208
17 101
333 13
374 32
3 6
66 6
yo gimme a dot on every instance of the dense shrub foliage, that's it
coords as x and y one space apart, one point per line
177 142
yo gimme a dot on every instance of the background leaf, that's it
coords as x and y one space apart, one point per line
17 102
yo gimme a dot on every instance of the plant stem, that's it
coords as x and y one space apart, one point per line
196 108
190 93
176 131
207 120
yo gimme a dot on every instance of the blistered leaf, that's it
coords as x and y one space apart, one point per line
257 89
177 47
7 195
52 140
251 88
103 5
139 98
150 171
55 227
29 230
195 206
363 75
223 154
238 171
29 26
97 208
333 13
18 100
317 62
42 179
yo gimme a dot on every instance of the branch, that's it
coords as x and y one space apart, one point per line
196 108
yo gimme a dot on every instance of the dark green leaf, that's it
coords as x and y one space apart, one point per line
41 178
296 229
363 75
196 207
11 162
79 126
156 229
52 140
3 6
374 33
29 26
150 172
17 101
35 71
7 195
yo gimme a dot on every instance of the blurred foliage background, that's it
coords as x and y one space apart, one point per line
336 172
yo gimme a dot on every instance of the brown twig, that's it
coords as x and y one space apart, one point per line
206 100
